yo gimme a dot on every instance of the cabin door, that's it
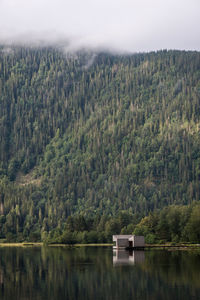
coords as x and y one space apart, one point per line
130 244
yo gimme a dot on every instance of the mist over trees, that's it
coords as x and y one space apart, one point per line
118 135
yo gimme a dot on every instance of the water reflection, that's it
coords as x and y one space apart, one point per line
1 280
89 273
125 257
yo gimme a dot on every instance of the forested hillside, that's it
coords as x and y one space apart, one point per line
95 135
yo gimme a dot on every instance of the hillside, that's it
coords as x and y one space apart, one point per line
95 134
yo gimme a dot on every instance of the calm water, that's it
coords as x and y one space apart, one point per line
98 273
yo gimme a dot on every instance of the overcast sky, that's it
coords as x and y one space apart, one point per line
121 25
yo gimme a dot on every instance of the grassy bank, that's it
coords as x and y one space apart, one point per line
147 246
172 246
21 244
52 245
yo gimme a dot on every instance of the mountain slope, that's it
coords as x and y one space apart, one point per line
122 134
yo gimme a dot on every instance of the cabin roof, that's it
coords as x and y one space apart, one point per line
122 236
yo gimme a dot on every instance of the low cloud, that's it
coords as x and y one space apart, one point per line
117 25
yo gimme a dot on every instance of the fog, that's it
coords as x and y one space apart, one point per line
116 25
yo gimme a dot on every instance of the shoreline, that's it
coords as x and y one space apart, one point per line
40 244
147 246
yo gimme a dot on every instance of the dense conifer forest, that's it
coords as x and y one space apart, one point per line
91 143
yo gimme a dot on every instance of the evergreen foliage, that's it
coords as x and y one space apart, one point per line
121 135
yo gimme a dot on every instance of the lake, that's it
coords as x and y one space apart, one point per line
98 273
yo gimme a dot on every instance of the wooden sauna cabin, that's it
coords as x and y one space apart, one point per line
128 242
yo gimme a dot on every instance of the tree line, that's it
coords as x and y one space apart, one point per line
173 224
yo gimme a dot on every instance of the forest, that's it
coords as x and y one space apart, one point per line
93 144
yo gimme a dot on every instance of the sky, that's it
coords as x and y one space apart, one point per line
118 25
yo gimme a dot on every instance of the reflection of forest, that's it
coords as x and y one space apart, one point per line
88 273
1 277
124 257
176 267
1 281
